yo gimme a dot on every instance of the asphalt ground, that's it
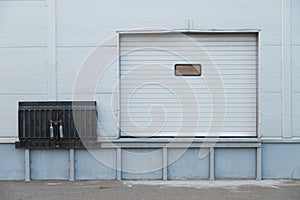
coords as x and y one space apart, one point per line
152 190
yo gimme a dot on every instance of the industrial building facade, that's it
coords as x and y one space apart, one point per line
193 90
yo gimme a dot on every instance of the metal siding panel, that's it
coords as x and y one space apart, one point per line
70 61
89 30
295 22
270 106
286 71
49 164
26 74
12 163
108 129
135 51
235 163
9 114
270 69
295 69
142 164
23 23
295 91
281 161
92 24
95 164
107 115
296 115
51 49
187 164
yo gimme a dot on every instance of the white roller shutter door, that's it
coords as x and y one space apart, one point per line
220 102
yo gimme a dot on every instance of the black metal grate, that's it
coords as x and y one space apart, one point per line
57 124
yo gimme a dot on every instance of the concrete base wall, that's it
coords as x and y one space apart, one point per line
12 166
188 164
235 163
281 161
277 161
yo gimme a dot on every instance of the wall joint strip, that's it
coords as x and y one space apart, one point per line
27 165
258 163
119 164
72 165
212 164
165 164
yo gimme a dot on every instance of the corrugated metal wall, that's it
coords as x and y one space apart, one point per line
155 102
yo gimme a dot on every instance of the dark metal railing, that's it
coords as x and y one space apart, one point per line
57 124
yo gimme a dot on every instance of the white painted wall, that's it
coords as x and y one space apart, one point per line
81 25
